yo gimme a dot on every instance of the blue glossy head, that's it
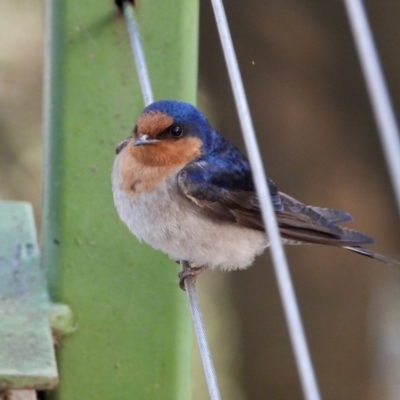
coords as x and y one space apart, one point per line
186 115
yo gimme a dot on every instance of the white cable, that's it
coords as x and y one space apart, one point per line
296 331
202 342
194 305
378 92
138 53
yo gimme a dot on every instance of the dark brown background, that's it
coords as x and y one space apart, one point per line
320 144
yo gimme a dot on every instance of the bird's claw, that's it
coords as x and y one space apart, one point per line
188 271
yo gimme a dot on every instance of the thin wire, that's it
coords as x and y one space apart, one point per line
198 324
138 53
378 92
194 305
296 331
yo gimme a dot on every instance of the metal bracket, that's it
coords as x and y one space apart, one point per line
27 358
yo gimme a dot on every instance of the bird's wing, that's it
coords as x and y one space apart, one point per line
227 192
331 215
317 225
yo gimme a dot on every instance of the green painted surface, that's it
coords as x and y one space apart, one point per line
26 345
61 320
133 336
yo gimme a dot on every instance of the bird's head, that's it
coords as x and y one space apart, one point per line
169 133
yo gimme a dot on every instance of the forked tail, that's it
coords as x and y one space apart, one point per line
372 254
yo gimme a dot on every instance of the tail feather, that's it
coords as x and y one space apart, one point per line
372 254
299 223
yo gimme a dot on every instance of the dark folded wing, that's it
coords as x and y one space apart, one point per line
317 225
229 194
225 194
331 215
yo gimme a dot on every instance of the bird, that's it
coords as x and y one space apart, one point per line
187 191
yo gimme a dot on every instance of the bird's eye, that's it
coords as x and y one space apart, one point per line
176 131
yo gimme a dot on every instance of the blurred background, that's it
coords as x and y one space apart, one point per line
320 145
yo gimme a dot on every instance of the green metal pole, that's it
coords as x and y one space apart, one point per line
133 337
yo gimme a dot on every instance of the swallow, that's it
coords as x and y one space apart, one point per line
184 189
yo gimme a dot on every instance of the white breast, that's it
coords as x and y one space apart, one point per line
169 222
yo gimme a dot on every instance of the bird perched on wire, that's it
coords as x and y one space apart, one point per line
185 190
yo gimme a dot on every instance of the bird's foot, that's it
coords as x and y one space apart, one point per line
188 271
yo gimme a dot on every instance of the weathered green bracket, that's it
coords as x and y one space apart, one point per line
27 359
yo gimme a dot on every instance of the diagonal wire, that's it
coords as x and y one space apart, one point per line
296 331
378 92
205 353
138 52
194 304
